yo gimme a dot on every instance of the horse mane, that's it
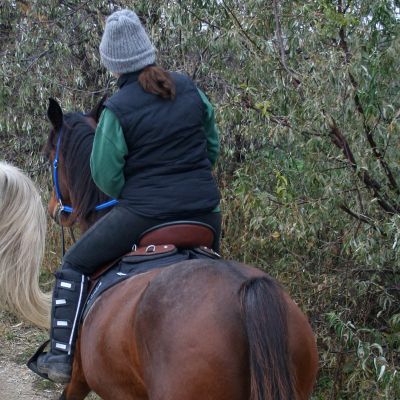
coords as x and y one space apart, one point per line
22 241
75 149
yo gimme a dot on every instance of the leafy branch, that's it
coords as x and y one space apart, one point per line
341 142
368 131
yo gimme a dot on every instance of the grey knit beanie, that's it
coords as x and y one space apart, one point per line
125 46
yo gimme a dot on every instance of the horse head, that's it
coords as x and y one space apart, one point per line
74 196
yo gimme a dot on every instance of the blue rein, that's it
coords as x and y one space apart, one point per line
63 207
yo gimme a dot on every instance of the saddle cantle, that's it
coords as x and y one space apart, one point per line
182 234
160 246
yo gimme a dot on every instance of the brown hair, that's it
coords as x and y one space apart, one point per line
158 81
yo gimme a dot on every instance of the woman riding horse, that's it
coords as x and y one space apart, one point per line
154 148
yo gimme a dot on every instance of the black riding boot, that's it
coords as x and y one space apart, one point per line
68 299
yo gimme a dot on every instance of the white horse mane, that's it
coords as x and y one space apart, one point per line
22 241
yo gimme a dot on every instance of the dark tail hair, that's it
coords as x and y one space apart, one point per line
264 313
158 81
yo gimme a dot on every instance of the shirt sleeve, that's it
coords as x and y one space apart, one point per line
211 130
107 159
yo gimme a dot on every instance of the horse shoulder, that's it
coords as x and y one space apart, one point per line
108 344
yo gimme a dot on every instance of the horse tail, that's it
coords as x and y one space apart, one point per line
22 240
264 312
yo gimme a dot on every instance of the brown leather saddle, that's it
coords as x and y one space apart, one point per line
158 247
168 237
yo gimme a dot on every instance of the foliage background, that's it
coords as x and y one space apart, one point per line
308 103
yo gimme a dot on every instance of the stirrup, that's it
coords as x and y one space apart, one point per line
32 362
52 375
58 367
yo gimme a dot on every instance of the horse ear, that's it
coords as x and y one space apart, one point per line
55 114
97 110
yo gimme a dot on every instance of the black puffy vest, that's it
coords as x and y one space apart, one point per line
167 172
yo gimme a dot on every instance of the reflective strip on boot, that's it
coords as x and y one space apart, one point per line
61 323
60 302
78 312
67 285
60 346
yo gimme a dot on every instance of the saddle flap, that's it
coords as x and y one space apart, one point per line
182 234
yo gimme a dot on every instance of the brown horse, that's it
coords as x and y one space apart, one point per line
216 330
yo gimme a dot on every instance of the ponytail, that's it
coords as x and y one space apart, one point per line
156 80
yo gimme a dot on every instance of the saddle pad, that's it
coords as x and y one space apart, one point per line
133 265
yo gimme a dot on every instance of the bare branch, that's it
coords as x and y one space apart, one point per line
370 138
205 21
393 185
279 37
363 218
240 26
341 142
342 34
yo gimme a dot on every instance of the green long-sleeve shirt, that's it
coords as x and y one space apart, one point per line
107 159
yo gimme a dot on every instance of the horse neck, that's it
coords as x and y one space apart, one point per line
82 190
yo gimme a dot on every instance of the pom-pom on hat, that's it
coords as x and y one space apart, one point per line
125 45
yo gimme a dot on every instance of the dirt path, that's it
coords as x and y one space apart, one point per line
16 382
17 343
